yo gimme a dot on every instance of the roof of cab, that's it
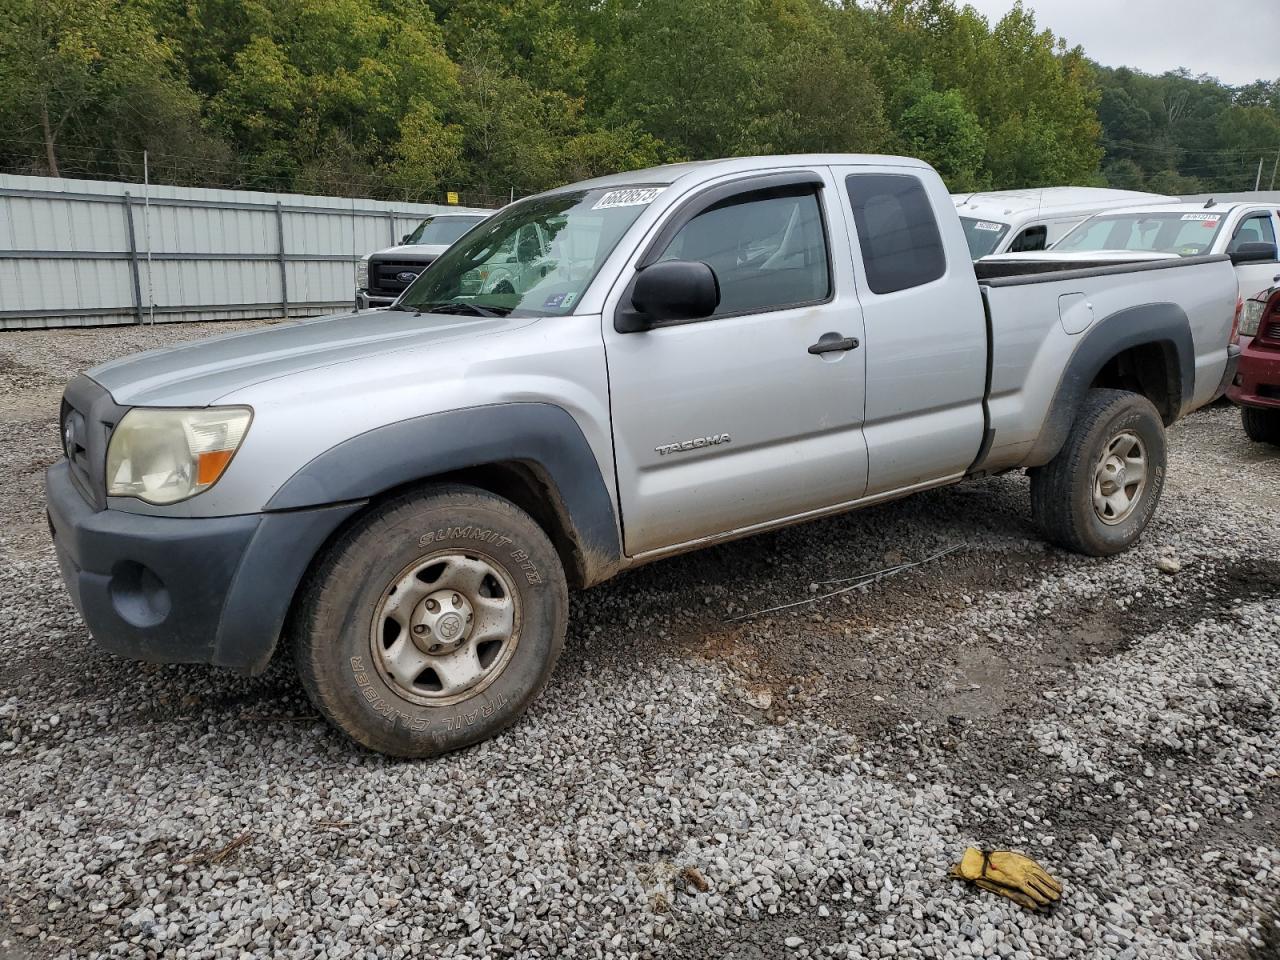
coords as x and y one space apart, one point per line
707 169
1048 200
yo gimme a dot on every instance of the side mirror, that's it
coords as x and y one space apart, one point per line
669 290
1254 253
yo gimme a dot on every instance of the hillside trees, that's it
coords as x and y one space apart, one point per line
412 98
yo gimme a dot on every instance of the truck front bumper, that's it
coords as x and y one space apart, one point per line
184 590
366 301
1255 382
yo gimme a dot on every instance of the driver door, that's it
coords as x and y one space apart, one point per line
730 421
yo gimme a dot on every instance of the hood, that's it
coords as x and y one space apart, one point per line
412 251
202 372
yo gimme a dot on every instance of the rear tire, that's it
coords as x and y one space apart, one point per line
1261 426
433 623
1098 494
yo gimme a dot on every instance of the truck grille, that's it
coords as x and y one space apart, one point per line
385 276
88 417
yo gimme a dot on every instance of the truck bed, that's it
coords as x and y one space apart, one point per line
1046 317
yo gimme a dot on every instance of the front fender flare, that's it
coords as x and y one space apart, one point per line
541 435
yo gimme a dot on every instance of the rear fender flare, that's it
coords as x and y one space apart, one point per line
1164 324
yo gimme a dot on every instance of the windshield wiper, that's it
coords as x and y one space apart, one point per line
462 309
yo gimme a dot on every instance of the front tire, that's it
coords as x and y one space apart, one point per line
1098 494
433 623
1261 426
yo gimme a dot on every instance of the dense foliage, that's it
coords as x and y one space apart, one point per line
412 98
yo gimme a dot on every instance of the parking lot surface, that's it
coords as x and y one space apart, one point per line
693 783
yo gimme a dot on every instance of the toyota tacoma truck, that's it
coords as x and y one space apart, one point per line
704 351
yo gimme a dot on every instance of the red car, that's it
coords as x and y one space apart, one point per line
1256 385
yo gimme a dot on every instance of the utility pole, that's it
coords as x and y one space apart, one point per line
1274 166
1257 181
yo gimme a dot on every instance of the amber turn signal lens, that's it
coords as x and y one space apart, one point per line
209 466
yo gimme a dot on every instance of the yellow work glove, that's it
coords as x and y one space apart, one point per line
1009 874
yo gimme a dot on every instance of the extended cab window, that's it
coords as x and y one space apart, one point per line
897 232
768 252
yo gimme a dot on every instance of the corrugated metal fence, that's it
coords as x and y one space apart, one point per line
88 252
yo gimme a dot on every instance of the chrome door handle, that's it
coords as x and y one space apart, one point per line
834 345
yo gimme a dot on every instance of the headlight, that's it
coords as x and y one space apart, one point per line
166 455
362 274
1252 316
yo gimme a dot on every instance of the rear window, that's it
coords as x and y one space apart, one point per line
983 236
1186 234
897 231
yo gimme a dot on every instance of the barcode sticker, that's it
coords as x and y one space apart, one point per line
631 197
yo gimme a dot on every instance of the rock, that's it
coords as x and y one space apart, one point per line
1169 565
759 698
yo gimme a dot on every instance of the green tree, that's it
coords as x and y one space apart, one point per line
89 76
1034 99
817 93
1124 174
325 79
939 128
689 72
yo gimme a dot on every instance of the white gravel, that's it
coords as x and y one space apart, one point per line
816 770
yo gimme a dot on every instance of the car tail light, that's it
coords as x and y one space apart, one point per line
1235 321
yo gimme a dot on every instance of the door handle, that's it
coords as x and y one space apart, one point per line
834 345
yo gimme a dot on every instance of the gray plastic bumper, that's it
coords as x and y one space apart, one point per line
184 590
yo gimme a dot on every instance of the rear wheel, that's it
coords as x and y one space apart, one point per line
1097 495
433 623
1261 426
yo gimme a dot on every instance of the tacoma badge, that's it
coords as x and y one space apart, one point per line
698 444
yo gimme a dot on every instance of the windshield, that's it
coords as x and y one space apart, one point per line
441 231
1186 234
533 259
983 236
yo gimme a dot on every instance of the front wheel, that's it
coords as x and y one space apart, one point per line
1261 426
433 623
1098 494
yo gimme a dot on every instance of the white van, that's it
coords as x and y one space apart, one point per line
1019 221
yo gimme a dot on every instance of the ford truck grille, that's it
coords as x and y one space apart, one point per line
389 278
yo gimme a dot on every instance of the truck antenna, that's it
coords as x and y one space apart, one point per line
1211 201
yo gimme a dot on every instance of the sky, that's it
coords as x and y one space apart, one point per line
1237 41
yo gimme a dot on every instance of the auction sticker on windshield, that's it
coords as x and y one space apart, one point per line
1210 218
988 225
631 197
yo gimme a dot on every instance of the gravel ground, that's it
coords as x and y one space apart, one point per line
815 770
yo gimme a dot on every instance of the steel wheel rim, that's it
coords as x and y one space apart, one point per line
445 627
1120 478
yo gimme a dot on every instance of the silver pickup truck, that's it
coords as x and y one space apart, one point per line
696 352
